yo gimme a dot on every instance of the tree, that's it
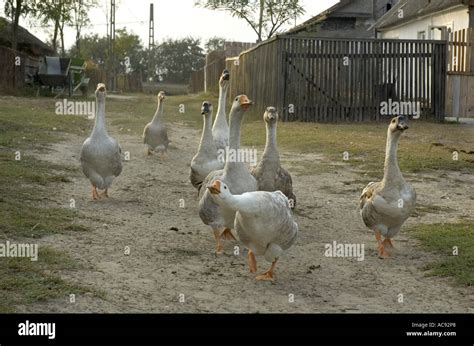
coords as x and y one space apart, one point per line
175 60
15 9
60 13
265 17
93 48
214 43
80 18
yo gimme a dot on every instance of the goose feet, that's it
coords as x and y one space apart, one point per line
383 246
104 194
148 152
268 275
252 262
219 247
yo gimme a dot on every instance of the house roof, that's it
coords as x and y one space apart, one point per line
26 40
414 9
343 9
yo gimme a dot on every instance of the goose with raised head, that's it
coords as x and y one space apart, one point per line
206 159
263 221
101 158
269 173
155 134
235 174
220 129
386 205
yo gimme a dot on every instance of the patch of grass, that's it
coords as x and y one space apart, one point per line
25 194
33 123
25 282
423 209
441 239
365 144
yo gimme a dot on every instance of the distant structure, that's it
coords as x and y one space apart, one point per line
346 19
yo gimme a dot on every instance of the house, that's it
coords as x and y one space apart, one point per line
425 19
346 19
449 20
25 61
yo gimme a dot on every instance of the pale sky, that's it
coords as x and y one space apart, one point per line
173 19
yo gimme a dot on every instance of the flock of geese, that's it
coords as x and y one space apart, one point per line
257 203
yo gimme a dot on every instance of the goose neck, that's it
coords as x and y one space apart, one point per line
99 124
220 118
207 130
271 148
159 112
236 119
391 168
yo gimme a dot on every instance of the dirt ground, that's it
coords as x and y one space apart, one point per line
172 251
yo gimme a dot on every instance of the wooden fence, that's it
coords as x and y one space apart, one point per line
17 69
461 51
333 80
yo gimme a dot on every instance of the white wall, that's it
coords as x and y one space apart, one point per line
455 19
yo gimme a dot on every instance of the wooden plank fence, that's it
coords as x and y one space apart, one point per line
335 80
461 51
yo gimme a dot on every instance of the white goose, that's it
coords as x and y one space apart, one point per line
101 154
235 174
269 173
263 222
220 130
206 159
155 135
386 205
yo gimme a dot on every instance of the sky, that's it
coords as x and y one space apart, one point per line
173 19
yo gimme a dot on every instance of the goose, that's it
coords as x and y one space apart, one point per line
101 158
269 173
235 174
206 159
155 135
263 221
220 129
386 205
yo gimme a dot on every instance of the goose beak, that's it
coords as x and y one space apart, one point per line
215 188
245 103
225 75
205 108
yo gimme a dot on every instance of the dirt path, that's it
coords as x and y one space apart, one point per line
171 251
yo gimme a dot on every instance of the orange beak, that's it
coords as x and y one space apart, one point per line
215 188
245 103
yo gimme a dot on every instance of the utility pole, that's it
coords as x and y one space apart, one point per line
111 46
151 42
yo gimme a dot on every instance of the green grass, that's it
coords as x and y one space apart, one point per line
25 282
26 195
441 238
365 144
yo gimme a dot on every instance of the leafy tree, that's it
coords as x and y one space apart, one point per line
80 17
265 17
60 13
15 9
214 43
128 51
93 48
177 59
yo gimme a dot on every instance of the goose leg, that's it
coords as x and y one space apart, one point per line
104 194
268 275
252 262
148 152
95 194
219 247
387 243
381 247
227 235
